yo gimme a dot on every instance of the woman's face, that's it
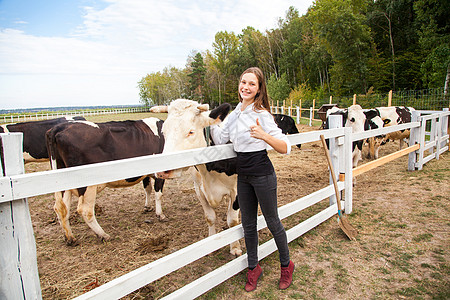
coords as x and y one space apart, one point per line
248 87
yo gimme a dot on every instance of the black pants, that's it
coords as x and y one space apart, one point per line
263 190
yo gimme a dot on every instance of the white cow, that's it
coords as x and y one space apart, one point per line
183 129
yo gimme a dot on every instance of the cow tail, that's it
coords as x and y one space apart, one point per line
51 146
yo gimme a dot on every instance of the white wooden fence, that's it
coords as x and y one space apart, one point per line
295 112
45 116
20 280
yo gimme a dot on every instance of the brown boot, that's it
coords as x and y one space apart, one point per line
252 278
286 276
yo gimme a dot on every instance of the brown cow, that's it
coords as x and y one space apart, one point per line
80 143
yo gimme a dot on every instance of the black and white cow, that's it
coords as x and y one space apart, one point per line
34 147
355 118
286 124
373 121
81 143
390 116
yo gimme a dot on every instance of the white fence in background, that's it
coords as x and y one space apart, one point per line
294 112
18 263
45 116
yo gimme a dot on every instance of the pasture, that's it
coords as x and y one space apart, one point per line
402 250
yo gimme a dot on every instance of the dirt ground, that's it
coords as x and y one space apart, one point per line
401 252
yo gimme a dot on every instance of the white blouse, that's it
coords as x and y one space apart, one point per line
236 128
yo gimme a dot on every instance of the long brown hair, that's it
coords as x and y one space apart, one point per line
261 98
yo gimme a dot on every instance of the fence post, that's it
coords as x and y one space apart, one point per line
354 99
421 140
335 121
18 263
310 116
413 139
348 169
298 115
390 98
444 127
438 135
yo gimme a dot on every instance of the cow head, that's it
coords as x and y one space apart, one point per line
355 118
183 128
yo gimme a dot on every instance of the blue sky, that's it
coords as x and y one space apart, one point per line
92 52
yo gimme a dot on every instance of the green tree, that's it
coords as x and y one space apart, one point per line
278 88
197 78
395 34
247 51
433 17
224 58
161 87
341 27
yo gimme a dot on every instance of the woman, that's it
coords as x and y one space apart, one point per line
251 128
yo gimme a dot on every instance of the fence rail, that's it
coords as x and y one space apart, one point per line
15 187
16 118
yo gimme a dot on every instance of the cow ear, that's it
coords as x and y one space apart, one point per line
203 107
220 111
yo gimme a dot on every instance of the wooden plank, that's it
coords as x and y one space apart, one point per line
216 277
348 176
144 275
335 121
435 115
40 183
20 277
413 139
385 159
443 149
428 158
429 145
385 130
422 130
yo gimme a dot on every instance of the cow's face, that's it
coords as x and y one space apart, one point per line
356 118
183 128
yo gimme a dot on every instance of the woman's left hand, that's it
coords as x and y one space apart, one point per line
256 131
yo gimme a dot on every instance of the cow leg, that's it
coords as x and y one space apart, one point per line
371 149
86 204
148 190
356 157
403 142
377 150
210 214
233 220
159 184
62 209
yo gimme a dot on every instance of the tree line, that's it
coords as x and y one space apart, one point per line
339 47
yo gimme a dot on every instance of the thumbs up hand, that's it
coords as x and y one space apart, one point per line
256 131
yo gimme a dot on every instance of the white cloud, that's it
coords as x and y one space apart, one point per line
120 44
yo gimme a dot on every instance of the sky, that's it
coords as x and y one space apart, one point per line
92 52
